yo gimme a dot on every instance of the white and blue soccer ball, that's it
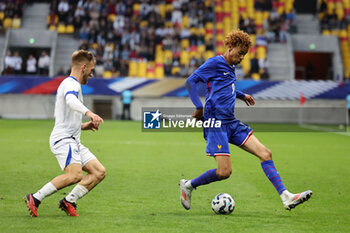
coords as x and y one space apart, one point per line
223 203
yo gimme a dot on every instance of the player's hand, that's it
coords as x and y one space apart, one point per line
88 126
249 100
198 114
95 119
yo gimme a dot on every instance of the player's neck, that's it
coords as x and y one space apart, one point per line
77 76
225 56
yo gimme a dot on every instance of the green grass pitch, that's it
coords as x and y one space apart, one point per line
140 192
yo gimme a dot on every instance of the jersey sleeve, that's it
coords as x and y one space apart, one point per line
239 94
71 92
71 88
206 71
191 87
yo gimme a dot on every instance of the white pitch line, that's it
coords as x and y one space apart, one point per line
5 140
325 129
145 143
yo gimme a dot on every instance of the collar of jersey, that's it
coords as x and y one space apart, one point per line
232 67
73 78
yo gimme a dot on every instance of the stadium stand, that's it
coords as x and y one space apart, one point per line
334 18
158 39
10 14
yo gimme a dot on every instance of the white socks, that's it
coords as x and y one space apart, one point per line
78 192
285 195
45 191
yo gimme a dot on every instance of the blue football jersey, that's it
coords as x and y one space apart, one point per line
221 93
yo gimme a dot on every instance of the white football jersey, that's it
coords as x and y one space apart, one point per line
69 110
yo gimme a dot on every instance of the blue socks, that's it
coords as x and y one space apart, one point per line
206 178
268 167
272 174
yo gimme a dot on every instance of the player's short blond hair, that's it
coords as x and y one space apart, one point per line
238 38
82 56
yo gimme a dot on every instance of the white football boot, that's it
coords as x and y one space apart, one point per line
185 193
290 200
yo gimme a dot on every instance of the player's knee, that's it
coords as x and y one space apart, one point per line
75 177
265 155
223 173
101 173
78 177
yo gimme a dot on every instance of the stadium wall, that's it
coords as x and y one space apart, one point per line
319 111
26 39
319 43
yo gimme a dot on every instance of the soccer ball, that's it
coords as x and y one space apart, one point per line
223 203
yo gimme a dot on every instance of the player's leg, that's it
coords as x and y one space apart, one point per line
95 170
95 174
217 147
69 163
255 147
224 169
73 175
222 172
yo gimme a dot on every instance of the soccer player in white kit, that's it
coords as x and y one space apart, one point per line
72 156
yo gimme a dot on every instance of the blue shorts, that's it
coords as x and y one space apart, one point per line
235 132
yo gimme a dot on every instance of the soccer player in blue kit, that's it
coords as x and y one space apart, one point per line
218 73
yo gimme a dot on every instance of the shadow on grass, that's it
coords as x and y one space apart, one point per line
235 214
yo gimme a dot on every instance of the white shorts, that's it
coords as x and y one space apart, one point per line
68 151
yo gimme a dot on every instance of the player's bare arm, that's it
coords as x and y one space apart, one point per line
88 126
95 119
249 100
198 114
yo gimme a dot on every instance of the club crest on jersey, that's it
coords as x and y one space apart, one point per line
219 147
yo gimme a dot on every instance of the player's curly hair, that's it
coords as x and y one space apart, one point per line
81 56
238 38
